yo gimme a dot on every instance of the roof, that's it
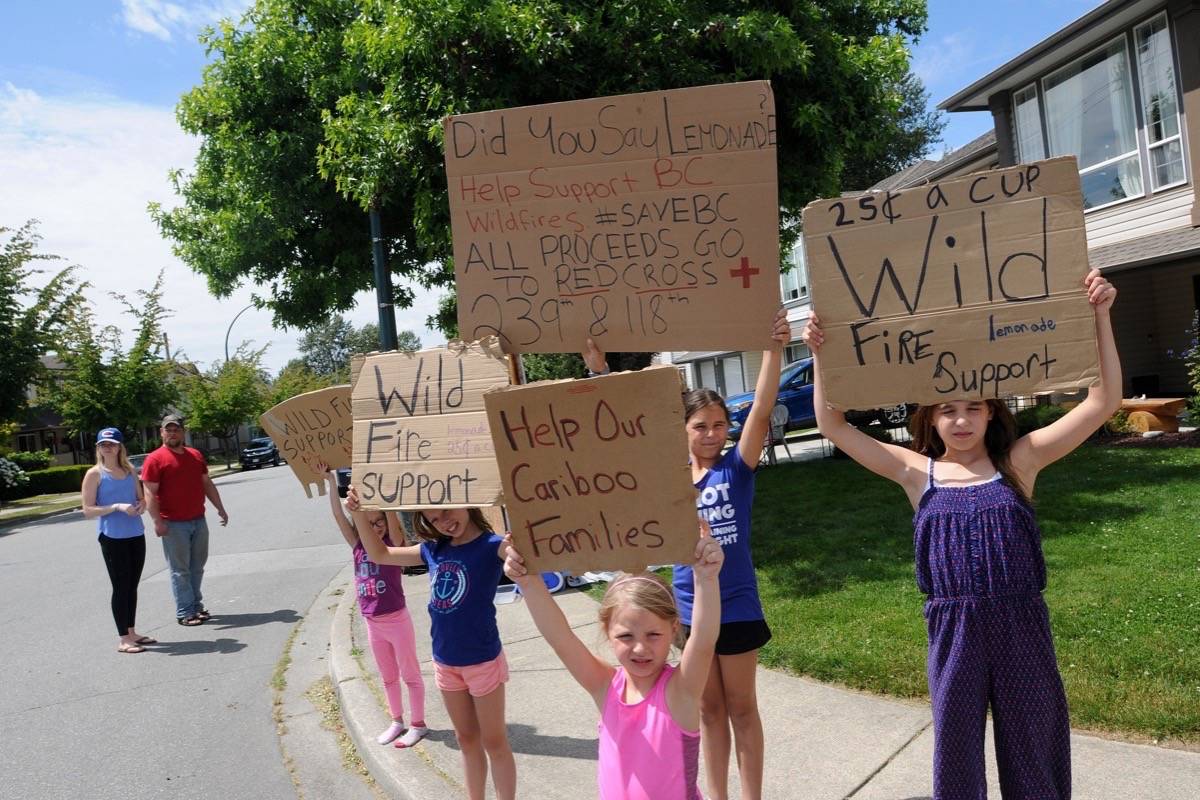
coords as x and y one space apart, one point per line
1089 30
698 355
983 147
1147 249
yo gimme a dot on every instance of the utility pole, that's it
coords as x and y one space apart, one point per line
383 283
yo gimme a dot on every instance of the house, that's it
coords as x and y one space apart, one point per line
1119 88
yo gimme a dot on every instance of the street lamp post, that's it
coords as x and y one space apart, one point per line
237 435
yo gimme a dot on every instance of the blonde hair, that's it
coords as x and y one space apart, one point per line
646 591
427 532
122 459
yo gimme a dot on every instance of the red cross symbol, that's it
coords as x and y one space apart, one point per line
744 272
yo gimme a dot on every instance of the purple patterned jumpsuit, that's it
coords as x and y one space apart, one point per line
979 562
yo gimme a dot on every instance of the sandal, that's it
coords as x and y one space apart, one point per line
189 622
147 640
203 615
131 648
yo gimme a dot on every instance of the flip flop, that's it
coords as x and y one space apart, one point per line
131 648
189 622
203 615
147 640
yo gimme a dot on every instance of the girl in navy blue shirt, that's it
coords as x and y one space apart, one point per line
725 494
465 561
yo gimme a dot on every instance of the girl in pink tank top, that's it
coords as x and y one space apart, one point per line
649 709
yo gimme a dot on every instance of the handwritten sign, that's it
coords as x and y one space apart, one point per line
968 288
312 428
644 221
420 431
596 472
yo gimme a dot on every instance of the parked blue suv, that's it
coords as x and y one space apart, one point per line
796 394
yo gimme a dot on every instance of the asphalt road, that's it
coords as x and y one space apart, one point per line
190 718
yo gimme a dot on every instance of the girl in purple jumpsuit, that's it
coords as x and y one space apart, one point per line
979 562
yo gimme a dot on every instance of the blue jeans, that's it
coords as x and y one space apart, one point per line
186 549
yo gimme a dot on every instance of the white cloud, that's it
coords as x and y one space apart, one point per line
160 19
86 167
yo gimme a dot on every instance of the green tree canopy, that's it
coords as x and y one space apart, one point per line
31 319
326 348
312 112
101 383
230 393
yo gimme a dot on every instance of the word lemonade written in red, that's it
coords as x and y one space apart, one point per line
543 429
1000 247
572 222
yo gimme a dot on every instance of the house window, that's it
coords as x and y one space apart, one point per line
796 351
794 282
1090 114
1160 104
723 375
1027 122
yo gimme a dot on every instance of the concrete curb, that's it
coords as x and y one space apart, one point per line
364 717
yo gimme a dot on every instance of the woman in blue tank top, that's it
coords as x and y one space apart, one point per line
112 495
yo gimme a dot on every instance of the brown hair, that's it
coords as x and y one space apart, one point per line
645 590
999 438
697 399
426 531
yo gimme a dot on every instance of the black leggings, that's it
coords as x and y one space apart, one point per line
124 559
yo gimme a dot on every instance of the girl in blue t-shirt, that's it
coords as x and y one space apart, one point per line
725 486
465 561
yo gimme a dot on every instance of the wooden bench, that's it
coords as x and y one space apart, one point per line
1154 413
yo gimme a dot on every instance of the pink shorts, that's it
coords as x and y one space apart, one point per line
478 679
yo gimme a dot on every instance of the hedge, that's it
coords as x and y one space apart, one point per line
54 480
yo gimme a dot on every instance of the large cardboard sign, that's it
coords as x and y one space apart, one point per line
646 221
312 428
595 471
968 288
420 431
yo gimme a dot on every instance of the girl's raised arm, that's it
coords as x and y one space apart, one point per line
1042 447
335 506
766 391
895 463
379 552
585 667
697 655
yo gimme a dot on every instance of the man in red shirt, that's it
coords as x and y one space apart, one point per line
176 481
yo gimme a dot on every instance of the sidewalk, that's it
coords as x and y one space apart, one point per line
823 742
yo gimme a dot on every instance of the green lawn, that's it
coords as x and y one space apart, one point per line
833 547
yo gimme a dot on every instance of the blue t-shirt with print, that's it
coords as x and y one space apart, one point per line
462 599
725 495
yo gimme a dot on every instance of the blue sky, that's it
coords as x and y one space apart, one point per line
87 136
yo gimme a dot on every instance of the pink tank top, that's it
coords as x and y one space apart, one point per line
644 754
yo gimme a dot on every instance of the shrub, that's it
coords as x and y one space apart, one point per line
56 480
12 480
39 459
1118 424
1034 417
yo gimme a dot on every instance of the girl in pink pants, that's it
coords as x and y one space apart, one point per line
389 625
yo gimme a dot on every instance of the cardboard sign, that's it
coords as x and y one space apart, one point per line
970 288
596 471
420 432
312 428
646 221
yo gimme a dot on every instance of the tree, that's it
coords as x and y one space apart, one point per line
228 394
31 319
313 112
295 378
326 348
101 383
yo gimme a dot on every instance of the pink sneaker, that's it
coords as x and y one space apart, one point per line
393 730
